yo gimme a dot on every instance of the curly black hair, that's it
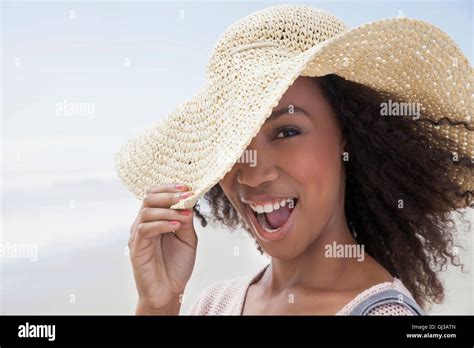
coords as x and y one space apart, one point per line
398 197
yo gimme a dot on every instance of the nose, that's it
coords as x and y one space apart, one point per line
264 172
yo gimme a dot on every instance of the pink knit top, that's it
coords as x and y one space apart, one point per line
227 298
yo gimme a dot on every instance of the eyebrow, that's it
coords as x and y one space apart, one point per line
286 110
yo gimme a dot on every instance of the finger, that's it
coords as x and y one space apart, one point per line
148 214
168 188
172 188
148 230
164 199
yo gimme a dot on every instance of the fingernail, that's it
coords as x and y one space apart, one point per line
186 195
180 186
174 222
185 212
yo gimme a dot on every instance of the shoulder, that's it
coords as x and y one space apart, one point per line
221 298
382 294
387 298
392 308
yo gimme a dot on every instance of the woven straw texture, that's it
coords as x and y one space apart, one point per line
259 57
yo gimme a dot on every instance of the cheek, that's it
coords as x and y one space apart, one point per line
227 182
227 185
318 163
318 172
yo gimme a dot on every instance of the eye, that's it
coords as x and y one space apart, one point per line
287 132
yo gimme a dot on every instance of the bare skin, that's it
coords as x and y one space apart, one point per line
162 261
298 156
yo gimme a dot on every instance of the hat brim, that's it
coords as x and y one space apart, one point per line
200 141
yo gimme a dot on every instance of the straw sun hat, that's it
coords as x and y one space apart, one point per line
260 56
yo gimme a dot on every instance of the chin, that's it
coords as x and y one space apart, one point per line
292 247
284 255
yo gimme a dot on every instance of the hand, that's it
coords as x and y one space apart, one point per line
162 260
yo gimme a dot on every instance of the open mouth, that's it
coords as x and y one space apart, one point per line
273 215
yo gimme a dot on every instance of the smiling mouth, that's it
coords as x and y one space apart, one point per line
272 220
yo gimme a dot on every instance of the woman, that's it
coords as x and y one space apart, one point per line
350 197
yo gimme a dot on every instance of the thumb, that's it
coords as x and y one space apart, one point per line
186 232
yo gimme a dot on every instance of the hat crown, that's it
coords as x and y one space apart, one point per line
288 29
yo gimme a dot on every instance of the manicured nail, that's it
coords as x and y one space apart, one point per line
174 222
180 186
186 195
185 212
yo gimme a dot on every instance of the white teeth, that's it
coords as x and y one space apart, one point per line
268 208
271 206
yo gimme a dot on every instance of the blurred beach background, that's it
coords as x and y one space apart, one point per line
123 66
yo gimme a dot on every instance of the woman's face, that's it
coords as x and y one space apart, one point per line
298 159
